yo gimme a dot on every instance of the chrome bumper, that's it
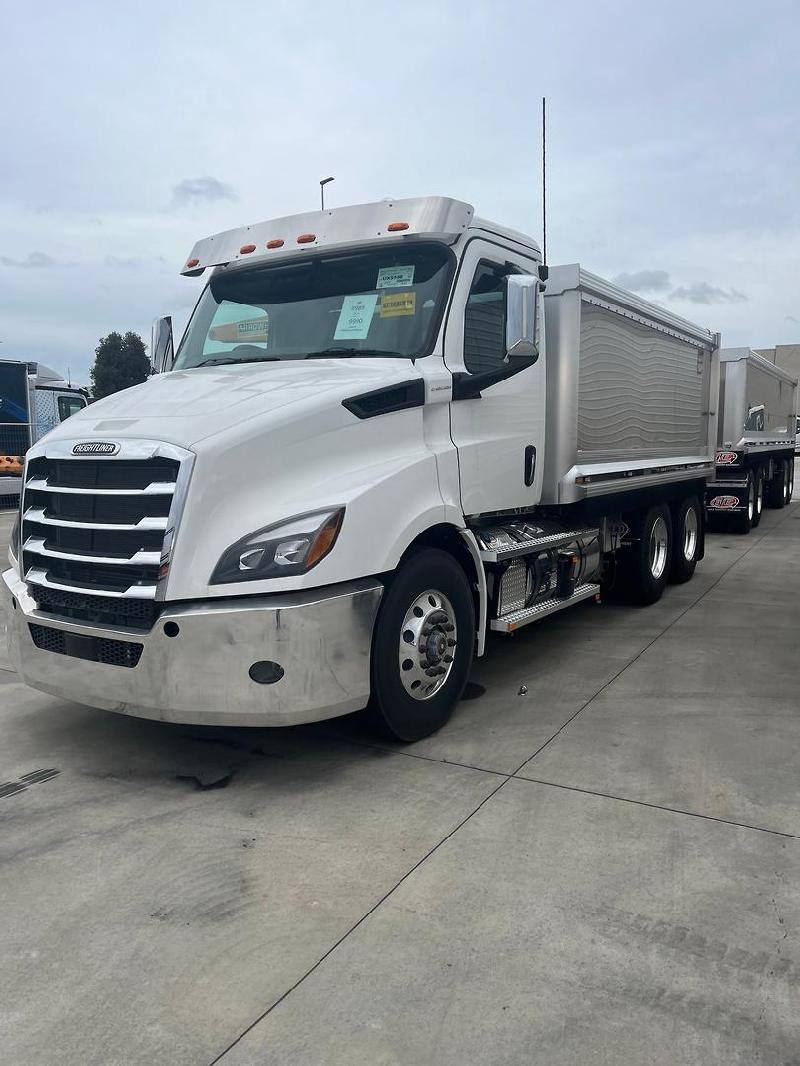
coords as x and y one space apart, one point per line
320 638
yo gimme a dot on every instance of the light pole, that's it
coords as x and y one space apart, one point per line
322 184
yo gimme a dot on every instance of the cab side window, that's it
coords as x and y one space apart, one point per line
69 405
485 318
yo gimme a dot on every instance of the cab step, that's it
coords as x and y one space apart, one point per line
534 544
509 623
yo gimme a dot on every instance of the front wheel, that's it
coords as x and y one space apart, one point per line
423 646
686 534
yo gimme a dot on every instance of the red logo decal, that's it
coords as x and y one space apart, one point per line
724 502
726 458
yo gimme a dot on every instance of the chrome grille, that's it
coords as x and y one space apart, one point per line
93 532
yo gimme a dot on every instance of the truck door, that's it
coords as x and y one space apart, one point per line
499 434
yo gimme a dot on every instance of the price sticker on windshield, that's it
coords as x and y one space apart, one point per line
398 303
355 317
395 277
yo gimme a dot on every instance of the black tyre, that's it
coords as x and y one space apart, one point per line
758 480
777 487
644 566
687 531
423 646
744 518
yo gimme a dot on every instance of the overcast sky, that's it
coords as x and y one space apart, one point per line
131 130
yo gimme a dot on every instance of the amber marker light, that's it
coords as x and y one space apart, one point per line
306 238
396 227
276 242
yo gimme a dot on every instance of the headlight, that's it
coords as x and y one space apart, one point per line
287 548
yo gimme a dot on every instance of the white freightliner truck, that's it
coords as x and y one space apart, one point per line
378 440
755 439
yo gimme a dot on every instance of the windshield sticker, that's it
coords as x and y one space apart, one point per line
398 303
252 330
395 277
355 317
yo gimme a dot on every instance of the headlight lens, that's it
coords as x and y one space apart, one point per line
290 547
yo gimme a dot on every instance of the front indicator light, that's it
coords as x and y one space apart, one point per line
281 550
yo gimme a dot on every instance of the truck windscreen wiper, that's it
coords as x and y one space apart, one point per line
368 353
226 359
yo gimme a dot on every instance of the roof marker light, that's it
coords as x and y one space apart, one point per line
192 263
276 242
306 238
246 249
395 227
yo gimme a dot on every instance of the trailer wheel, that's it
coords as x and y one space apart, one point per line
758 476
686 534
790 489
422 647
645 565
744 519
778 485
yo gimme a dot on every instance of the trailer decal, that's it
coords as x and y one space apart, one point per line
724 503
726 458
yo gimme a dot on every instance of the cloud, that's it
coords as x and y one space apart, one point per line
700 292
195 190
32 261
791 318
644 281
121 263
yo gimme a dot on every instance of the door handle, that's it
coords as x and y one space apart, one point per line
530 465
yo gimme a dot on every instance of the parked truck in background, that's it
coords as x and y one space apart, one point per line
388 431
33 400
755 439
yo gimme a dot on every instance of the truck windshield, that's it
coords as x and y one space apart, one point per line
381 302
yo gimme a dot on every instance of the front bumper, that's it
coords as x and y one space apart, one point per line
320 638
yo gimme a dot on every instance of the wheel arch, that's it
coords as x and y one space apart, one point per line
463 546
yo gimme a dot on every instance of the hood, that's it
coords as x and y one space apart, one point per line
185 407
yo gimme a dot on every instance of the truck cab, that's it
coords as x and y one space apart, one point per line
369 449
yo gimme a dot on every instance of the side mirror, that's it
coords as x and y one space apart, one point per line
522 297
161 348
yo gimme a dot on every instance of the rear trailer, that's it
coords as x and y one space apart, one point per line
754 465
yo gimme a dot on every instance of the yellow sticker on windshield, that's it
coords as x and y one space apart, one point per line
398 303
254 330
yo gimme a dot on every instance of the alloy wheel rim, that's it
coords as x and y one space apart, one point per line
690 527
751 501
427 644
659 539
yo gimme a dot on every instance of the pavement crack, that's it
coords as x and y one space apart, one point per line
656 806
360 922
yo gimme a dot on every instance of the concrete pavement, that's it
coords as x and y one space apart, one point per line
604 868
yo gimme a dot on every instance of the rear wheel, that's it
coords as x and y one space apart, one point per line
744 519
758 476
686 533
790 489
422 647
645 565
778 486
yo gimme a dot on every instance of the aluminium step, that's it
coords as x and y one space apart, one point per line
533 544
514 620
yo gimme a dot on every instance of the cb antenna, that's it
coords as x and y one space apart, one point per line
544 180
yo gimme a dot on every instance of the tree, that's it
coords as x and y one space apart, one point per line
119 363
